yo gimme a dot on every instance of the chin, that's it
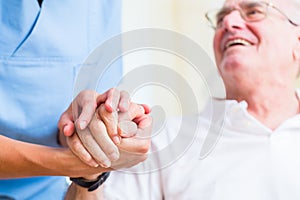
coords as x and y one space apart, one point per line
233 64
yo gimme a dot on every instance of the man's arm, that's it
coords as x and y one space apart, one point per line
76 192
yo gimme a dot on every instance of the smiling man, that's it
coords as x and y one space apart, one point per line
257 51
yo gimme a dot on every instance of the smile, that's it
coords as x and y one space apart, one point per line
235 42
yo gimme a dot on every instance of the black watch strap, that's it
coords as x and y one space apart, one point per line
91 185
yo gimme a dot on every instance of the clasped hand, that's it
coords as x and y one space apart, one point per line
97 128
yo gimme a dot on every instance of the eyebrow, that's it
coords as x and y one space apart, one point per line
251 4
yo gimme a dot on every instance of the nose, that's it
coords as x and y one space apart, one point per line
233 21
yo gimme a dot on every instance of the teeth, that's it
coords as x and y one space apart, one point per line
237 41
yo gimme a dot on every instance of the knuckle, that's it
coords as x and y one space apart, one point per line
87 158
145 148
102 112
109 150
124 93
82 94
92 124
113 90
112 155
86 96
76 146
96 126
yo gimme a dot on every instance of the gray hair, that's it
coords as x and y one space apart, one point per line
290 7
292 10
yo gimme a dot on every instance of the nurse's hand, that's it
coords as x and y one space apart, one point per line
95 138
81 112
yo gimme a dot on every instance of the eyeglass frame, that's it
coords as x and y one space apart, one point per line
268 5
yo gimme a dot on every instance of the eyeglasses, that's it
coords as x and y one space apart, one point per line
250 11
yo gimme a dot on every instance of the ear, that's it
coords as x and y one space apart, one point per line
296 50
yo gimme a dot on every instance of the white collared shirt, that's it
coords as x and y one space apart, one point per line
248 162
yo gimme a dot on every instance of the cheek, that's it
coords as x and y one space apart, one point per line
279 51
274 44
216 46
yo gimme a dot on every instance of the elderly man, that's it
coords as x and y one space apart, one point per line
257 51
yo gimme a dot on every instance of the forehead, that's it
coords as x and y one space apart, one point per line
238 3
275 2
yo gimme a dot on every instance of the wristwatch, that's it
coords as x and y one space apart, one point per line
91 185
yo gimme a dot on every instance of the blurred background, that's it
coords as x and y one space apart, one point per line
185 17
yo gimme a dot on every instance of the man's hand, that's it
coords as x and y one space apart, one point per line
134 147
78 117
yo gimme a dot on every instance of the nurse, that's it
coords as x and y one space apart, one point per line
42 45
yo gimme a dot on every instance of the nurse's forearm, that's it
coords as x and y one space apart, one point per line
21 159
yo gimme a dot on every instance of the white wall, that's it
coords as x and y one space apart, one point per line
185 17
182 16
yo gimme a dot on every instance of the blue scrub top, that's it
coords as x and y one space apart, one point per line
41 50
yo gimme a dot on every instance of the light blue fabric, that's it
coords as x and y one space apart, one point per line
41 50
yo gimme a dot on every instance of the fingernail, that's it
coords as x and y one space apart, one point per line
105 164
65 129
82 124
116 139
142 108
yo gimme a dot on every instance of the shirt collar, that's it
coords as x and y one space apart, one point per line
237 118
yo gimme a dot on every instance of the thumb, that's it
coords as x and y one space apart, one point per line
65 123
68 129
127 128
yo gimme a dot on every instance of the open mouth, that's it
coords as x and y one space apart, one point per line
237 42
